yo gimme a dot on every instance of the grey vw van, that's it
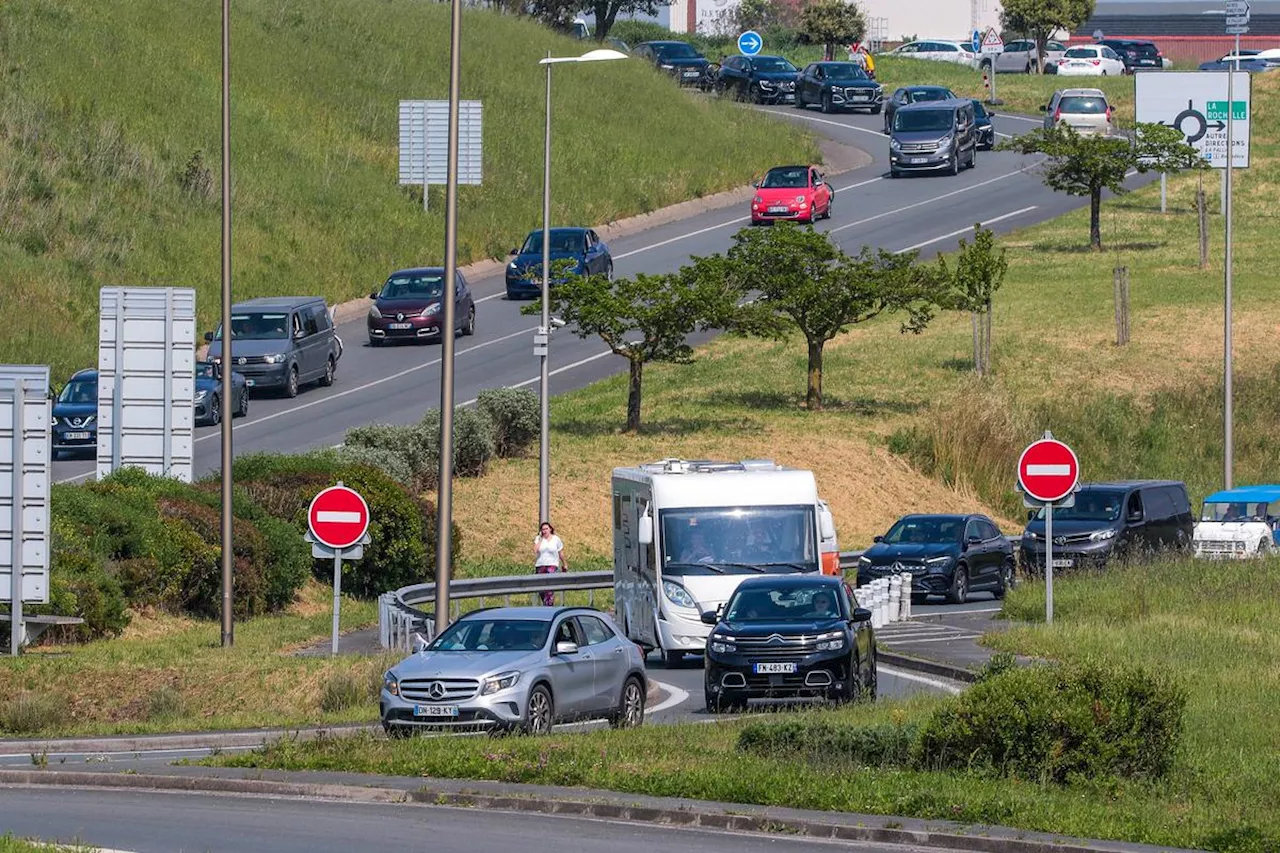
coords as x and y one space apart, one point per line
281 343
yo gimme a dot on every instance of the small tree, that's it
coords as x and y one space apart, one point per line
607 11
831 22
1040 19
642 319
798 278
978 274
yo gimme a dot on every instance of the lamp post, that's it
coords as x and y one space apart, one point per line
543 338
228 555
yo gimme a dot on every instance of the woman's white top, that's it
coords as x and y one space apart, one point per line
548 550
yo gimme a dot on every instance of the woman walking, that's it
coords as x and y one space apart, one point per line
548 557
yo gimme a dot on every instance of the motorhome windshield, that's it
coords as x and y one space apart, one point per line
739 540
1234 511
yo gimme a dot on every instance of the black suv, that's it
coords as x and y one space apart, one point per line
913 95
949 555
790 636
1136 54
838 86
1112 521
760 79
677 58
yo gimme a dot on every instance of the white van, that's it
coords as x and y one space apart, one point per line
685 533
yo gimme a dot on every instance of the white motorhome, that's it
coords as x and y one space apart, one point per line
685 533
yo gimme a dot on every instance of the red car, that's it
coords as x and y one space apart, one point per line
797 193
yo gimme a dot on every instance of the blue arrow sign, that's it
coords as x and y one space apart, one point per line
749 43
977 42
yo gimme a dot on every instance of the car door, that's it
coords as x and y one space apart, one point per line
610 662
821 192
805 85
606 256
1136 532
303 353
572 673
998 548
976 554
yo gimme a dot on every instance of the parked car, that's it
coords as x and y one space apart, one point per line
1086 111
281 342
518 669
677 58
1253 61
986 130
838 86
932 136
792 192
1136 54
759 79
1109 521
1237 524
958 52
1091 60
582 246
410 307
74 428
949 555
1021 57
208 394
913 95
789 636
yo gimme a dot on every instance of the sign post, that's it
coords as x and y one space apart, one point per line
1048 474
338 527
992 46
24 485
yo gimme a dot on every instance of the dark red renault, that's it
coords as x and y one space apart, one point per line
409 307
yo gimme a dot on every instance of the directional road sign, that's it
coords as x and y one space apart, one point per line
338 517
1238 7
991 42
1195 102
749 43
976 42
1237 31
1048 470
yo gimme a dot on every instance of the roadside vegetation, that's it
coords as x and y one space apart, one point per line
9 844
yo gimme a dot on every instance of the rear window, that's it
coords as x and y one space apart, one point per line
1082 105
1082 53
1144 49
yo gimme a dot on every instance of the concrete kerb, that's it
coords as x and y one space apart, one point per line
927 667
606 805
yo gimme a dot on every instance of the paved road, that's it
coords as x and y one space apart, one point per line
398 384
150 822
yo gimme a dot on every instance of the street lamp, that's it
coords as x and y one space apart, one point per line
228 556
544 337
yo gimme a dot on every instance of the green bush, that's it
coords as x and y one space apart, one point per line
80 585
409 455
473 442
516 418
345 690
30 713
1058 723
824 741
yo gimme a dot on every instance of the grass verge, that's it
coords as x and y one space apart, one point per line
9 844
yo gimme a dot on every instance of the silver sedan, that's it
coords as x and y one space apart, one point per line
518 669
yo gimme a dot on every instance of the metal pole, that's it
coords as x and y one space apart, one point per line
425 176
337 597
444 510
1228 451
17 629
1164 193
1048 564
544 386
228 547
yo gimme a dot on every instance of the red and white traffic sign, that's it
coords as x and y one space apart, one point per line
338 517
1048 470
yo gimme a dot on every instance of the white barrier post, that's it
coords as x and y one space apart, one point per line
907 581
895 597
883 601
876 620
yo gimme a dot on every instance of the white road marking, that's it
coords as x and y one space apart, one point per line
964 230
675 696
878 133
491 296
1039 121
1049 470
946 686
555 372
946 639
338 517
933 199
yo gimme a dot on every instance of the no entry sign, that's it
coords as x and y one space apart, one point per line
1048 470
338 517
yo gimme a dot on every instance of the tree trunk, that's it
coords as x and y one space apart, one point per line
986 342
1095 218
977 344
828 51
813 399
633 396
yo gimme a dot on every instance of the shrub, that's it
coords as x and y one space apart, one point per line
345 690
408 454
473 442
516 418
196 530
1057 723
166 703
389 462
29 713
79 585
822 740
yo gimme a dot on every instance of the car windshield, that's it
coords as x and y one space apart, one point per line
1082 105
413 286
1234 511
920 96
845 72
204 370
561 241
785 179
1082 53
493 635
911 121
773 65
925 530
79 391
257 326
784 604
1090 505
739 540
979 110
676 50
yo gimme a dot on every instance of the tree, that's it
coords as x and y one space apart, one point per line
978 274
755 15
1040 19
607 11
1087 165
797 278
831 22
642 319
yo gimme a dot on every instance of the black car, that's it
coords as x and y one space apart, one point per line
678 58
789 636
913 95
759 79
75 416
1110 521
982 122
838 86
1136 54
949 555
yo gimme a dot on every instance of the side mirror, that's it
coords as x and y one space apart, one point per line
299 334
419 643
515 252
1044 108
1031 514
373 295
878 539
827 523
974 540
710 617
208 337
566 648
992 113
755 184
645 534
861 614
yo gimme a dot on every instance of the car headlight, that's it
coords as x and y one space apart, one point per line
765 84
1027 534
678 595
274 358
667 67
430 310
945 141
938 562
894 143
863 562
1102 535
722 643
831 641
758 200
375 313
201 394
512 266
391 683
498 683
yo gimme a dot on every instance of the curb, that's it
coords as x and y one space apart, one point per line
928 667
160 743
603 805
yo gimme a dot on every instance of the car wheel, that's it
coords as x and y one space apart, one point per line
919 597
955 163
329 368
630 712
725 703
895 173
830 203
608 271
291 384
244 403
469 327
215 411
1027 70
875 111
959 592
673 660
540 715
376 342
798 103
871 683
826 102
813 212
1007 579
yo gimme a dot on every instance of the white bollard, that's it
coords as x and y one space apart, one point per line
895 598
877 614
907 582
884 601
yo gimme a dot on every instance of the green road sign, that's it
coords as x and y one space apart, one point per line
1217 110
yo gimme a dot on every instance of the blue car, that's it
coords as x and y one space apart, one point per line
582 245
75 416
208 398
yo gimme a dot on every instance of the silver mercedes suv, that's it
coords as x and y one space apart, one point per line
518 669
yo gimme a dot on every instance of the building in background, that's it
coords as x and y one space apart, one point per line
1187 31
887 20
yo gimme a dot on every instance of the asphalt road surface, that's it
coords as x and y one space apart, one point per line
151 822
398 384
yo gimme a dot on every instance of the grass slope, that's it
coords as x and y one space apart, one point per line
104 105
